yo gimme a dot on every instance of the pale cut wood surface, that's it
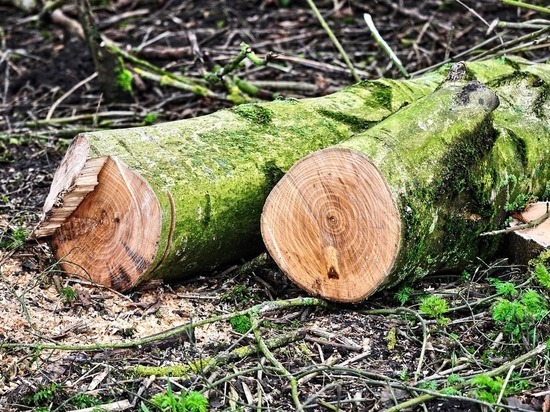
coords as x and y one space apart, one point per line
524 245
333 228
108 227
540 233
73 180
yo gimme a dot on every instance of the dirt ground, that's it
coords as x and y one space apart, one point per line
363 357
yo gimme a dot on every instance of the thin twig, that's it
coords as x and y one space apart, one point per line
385 46
334 39
459 55
73 119
151 67
505 383
244 53
425 334
108 407
521 4
532 24
475 13
515 41
278 365
497 371
182 370
528 225
71 91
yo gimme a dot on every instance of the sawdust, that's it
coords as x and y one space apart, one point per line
34 311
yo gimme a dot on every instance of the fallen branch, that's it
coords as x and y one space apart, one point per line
264 348
108 407
203 364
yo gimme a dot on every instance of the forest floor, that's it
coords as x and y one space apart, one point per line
372 356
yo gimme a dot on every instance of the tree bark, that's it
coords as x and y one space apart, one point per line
412 194
115 81
181 198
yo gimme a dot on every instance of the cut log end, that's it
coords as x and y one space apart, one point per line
524 245
104 220
332 225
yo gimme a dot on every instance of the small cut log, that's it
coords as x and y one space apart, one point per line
526 244
411 195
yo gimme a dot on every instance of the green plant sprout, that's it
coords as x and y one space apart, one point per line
455 379
240 324
403 294
434 307
150 118
507 289
488 389
168 401
124 80
83 400
520 316
542 276
45 395
16 240
465 275
68 294
430 385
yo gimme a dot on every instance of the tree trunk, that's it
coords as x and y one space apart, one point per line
411 195
115 81
182 198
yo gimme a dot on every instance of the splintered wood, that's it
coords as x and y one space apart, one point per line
73 180
104 217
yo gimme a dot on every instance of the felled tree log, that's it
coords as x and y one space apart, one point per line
412 194
529 234
181 198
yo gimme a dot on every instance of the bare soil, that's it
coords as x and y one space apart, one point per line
345 358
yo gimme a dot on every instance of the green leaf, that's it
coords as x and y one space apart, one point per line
507 289
535 303
403 294
195 402
433 306
543 277
240 324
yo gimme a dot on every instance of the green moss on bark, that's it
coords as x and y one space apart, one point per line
255 113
